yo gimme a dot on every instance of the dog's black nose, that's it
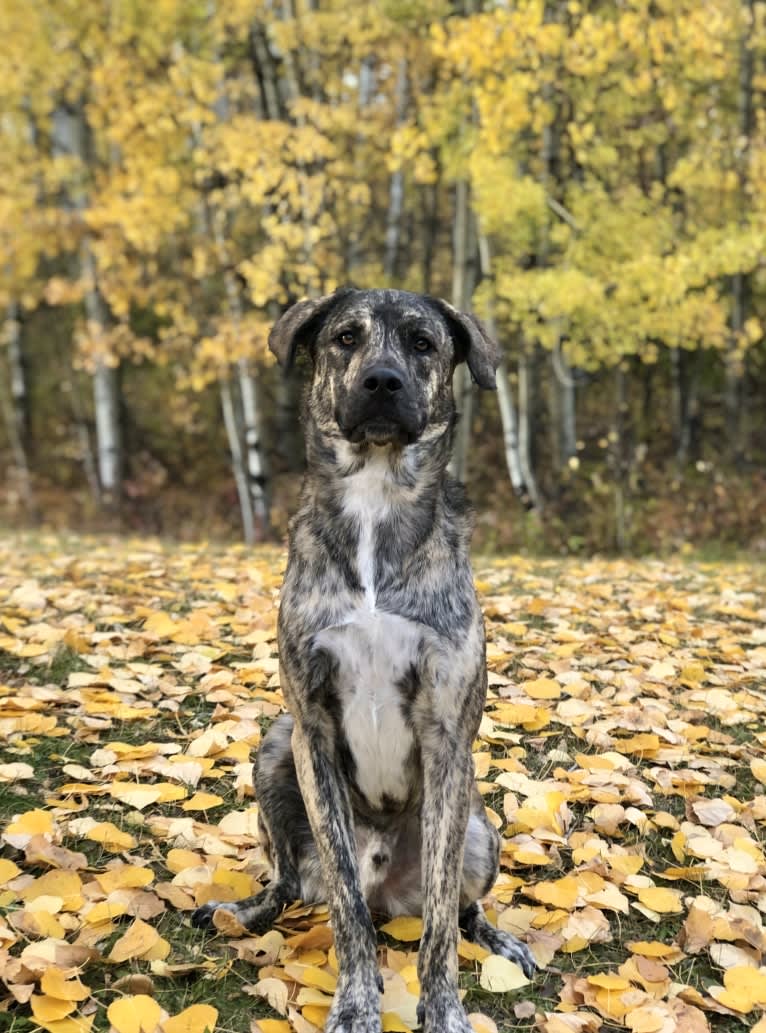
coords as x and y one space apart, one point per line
383 379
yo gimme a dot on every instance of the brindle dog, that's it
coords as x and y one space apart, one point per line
366 791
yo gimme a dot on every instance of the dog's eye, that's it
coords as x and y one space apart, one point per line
346 339
422 344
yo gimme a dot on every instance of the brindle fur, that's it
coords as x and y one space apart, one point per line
366 790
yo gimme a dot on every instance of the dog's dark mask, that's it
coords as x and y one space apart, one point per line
383 361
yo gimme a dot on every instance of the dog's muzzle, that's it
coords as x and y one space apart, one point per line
380 410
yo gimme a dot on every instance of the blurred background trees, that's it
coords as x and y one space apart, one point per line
589 178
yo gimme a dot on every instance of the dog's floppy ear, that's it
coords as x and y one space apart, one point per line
472 344
296 326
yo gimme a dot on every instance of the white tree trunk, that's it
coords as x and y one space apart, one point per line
106 394
257 477
241 422
15 411
396 188
237 460
464 398
70 138
505 401
254 460
461 295
564 384
620 463
508 419
107 411
525 423
734 393
18 380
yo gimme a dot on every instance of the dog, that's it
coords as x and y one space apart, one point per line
365 788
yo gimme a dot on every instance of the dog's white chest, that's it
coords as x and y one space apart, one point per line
375 652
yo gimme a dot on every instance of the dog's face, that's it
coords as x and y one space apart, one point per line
383 361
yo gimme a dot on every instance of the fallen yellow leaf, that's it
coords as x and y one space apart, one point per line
482 1023
110 837
137 1014
472 951
202 802
104 912
125 876
311 975
561 893
139 939
71 1024
499 975
609 981
315 1014
56 983
199 1018
664 901
654 949
49 1009
8 870
745 988
542 688
391 1023
406 929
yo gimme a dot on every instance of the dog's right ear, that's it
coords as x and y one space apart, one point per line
299 324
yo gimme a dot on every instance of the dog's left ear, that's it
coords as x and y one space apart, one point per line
472 345
297 326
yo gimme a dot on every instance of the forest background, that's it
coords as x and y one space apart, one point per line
589 178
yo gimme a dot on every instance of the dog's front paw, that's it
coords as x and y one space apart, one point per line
355 1008
443 1013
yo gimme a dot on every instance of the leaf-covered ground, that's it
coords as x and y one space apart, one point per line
623 755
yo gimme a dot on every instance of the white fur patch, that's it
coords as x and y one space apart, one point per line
374 650
367 498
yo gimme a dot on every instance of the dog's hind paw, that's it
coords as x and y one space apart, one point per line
257 914
517 951
514 950
202 917
477 929
508 946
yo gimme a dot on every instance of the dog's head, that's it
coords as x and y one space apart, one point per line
383 361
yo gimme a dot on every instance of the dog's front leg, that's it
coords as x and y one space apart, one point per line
447 774
356 1007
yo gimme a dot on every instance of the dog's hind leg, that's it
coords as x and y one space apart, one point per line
478 929
480 867
285 835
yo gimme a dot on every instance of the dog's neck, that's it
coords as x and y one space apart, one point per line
412 469
372 491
